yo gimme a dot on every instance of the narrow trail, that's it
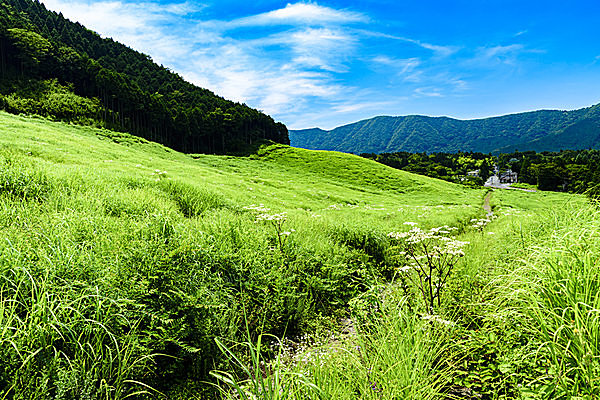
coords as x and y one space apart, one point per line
347 325
486 204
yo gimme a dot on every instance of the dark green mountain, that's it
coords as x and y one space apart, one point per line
55 68
545 130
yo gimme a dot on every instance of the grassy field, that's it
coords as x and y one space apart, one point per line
131 270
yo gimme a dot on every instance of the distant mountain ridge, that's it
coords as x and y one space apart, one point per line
544 130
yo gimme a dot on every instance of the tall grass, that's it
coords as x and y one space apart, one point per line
115 280
562 304
64 341
396 355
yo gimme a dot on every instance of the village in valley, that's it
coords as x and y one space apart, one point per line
500 179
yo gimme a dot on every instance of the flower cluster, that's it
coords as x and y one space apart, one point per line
417 235
427 257
277 221
437 319
159 174
281 217
481 223
260 208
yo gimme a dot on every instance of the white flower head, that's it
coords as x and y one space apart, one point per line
272 217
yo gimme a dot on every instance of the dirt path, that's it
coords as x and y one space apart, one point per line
507 186
486 204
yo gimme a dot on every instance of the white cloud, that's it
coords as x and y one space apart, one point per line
300 14
362 105
508 55
323 48
138 25
402 65
428 92
440 51
500 51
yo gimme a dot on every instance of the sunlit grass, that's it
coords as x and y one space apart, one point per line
122 261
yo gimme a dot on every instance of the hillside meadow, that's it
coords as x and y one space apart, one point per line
129 270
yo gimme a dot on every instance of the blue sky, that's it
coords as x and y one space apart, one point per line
328 63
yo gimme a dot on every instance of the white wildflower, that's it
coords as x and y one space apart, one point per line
272 217
261 208
438 319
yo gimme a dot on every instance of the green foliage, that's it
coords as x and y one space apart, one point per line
104 83
452 167
575 171
396 355
142 256
564 307
50 99
192 201
19 183
33 48
268 382
116 277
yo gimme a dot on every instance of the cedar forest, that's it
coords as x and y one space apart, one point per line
56 68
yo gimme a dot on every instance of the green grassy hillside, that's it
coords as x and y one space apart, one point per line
128 270
122 259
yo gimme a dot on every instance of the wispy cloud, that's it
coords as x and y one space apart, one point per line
401 65
507 55
499 52
309 14
351 107
325 48
428 92
439 50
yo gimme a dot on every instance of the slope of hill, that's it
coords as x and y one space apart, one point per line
53 67
122 260
537 130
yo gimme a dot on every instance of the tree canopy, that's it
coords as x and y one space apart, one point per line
53 67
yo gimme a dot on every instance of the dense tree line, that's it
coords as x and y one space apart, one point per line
453 167
53 67
575 171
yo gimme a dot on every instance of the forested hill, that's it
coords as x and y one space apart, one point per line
544 130
53 67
